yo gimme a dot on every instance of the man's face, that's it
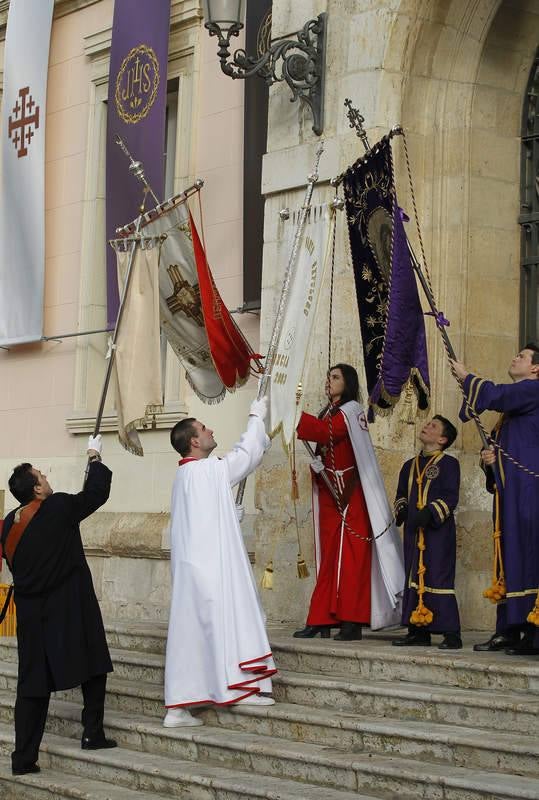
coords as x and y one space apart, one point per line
432 434
42 489
203 441
521 367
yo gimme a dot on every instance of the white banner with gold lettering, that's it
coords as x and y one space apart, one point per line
22 184
292 352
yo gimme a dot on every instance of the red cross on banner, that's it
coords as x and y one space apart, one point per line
20 127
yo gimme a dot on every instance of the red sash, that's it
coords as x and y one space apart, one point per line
23 517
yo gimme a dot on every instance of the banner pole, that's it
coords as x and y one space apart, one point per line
277 325
137 169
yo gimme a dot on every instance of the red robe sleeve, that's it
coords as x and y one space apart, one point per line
317 430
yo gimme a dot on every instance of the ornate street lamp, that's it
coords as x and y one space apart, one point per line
300 62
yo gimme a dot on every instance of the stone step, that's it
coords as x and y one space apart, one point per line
496 711
379 776
52 785
231 734
169 776
372 659
375 659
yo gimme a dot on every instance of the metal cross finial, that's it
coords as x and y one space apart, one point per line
356 121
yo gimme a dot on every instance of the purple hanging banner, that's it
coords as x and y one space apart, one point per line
136 112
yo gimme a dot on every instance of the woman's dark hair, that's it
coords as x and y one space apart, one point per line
22 482
351 386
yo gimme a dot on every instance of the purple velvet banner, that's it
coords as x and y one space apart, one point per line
136 112
391 319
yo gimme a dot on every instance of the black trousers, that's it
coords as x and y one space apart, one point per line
31 715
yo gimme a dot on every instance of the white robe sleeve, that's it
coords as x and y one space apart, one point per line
247 454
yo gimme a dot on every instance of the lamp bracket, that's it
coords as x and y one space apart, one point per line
300 63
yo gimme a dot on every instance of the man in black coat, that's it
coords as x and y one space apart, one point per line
60 633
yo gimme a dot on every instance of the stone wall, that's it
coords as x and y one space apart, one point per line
453 73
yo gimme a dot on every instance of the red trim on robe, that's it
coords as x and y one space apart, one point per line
262 672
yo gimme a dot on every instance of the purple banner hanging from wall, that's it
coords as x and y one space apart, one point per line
136 112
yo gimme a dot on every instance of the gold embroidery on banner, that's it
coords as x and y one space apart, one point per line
137 83
184 297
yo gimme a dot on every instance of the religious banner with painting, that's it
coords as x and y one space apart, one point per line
22 186
391 318
136 111
194 319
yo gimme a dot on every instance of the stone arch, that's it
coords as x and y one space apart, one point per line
466 68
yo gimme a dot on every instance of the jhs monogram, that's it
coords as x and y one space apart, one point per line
136 84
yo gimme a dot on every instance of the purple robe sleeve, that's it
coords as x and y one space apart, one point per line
483 395
443 504
400 506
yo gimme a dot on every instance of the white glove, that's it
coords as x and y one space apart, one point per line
95 443
240 512
317 465
259 408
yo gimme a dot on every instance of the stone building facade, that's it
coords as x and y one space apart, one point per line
453 73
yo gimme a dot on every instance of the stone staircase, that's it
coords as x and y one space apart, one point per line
358 720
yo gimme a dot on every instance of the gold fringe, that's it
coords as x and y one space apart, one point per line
394 399
267 577
303 570
497 591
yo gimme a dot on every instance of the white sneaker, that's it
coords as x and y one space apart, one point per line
256 700
180 718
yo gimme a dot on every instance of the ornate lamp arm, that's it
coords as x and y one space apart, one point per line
300 63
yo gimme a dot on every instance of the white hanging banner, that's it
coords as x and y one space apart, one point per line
22 184
301 305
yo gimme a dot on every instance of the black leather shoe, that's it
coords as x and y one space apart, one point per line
524 648
451 641
310 631
350 632
26 770
97 743
498 641
415 639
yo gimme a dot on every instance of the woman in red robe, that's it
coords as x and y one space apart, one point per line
342 595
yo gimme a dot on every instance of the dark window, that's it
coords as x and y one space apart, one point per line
257 24
529 210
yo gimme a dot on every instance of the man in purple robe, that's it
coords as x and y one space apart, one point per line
427 495
517 436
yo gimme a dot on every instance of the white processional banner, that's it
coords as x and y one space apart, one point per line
292 353
22 184
137 362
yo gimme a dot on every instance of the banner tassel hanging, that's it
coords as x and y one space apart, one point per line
303 569
267 577
409 409
497 591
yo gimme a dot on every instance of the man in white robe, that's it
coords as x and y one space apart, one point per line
217 647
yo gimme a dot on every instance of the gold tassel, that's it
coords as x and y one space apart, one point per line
303 569
533 616
267 577
421 615
497 590
295 490
408 409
